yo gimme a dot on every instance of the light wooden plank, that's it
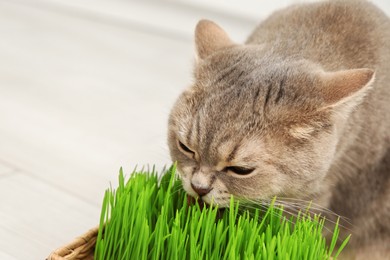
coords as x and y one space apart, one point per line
6 170
255 9
36 218
5 256
80 98
169 18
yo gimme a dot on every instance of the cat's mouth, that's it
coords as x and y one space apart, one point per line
191 201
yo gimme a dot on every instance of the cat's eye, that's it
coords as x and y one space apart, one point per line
239 170
185 149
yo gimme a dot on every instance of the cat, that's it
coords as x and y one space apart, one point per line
300 111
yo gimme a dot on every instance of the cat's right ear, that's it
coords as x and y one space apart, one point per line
209 37
346 87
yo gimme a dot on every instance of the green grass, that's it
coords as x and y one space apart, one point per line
148 218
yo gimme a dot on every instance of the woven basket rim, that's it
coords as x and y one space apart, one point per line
83 247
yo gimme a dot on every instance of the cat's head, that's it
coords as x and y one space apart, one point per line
254 124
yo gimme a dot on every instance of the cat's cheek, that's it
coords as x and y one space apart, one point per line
186 183
185 173
184 170
220 202
218 195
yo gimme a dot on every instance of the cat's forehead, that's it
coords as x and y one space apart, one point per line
244 151
246 80
243 59
251 65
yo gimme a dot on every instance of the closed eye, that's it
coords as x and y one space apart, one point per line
185 149
239 170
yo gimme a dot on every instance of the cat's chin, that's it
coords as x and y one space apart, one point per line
191 201
206 202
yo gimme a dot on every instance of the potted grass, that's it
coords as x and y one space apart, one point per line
148 217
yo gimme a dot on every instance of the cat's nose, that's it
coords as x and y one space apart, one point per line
201 191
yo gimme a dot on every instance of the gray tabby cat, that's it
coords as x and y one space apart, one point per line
300 111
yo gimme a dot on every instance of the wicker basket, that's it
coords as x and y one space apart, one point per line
82 247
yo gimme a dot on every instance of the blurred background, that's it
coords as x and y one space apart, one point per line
86 87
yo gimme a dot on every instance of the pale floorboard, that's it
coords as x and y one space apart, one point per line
36 217
6 170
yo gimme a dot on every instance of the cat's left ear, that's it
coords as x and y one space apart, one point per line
346 86
209 37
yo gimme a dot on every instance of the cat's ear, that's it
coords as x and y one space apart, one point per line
346 86
209 37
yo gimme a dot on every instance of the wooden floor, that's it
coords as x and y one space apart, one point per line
85 88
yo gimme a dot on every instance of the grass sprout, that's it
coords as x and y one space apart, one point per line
148 217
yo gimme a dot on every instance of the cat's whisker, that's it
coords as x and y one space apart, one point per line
307 205
308 213
262 203
297 211
307 202
328 212
293 211
264 209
